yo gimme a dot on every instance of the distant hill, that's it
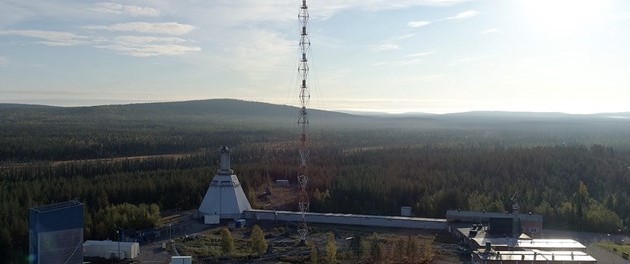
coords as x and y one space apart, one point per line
24 106
213 111
226 111
36 132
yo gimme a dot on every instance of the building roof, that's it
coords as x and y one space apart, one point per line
481 237
108 243
531 243
88 243
531 255
458 215
56 206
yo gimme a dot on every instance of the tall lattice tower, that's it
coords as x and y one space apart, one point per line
305 96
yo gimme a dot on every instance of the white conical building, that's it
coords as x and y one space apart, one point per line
225 198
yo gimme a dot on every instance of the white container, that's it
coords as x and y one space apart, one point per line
181 260
111 249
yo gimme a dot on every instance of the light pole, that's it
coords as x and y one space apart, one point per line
118 233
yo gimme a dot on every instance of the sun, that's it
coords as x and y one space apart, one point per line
563 16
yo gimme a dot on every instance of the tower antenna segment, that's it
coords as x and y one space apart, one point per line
305 96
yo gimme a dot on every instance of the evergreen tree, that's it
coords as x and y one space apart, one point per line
259 243
227 242
355 245
331 248
314 256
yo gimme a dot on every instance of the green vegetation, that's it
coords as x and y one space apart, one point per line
314 255
123 215
222 244
615 248
331 248
227 242
208 246
399 249
572 169
259 244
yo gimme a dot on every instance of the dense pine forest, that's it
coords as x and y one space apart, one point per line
128 163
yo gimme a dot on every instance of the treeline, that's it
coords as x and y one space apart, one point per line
109 201
40 143
574 187
98 224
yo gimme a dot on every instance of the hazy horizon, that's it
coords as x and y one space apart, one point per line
349 111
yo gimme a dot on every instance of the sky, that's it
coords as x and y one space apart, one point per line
435 56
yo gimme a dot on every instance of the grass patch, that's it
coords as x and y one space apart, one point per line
614 248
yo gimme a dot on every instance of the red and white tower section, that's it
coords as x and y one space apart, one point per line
304 96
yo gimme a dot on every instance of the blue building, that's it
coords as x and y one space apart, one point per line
56 233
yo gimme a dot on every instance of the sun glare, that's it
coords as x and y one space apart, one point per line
563 16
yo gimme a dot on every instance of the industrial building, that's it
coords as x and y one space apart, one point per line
533 256
530 224
507 238
56 233
225 198
349 219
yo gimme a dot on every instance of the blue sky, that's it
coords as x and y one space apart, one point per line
434 56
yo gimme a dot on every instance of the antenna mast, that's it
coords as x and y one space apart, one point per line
303 200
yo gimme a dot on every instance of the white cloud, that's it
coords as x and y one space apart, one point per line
462 15
471 59
262 55
411 59
138 46
116 8
417 24
384 47
405 62
144 46
170 28
420 54
491 31
401 37
395 4
50 38
236 12
3 61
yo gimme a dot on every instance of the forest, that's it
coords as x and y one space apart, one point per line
574 170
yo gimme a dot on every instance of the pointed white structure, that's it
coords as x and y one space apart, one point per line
225 198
